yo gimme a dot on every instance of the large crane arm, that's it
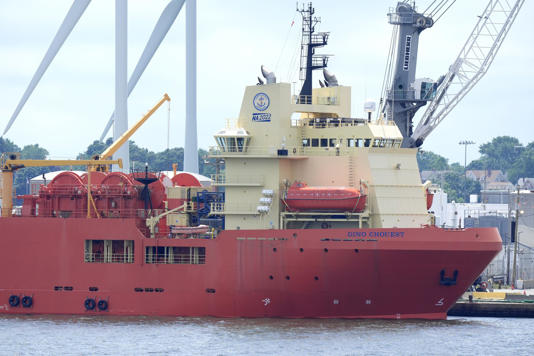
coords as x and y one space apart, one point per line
125 136
14 164
470 66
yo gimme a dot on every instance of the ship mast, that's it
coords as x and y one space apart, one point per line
309 61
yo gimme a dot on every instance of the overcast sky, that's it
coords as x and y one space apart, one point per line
73 101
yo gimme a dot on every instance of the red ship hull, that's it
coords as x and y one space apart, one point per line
330 273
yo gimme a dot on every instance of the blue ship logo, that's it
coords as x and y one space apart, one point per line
261 101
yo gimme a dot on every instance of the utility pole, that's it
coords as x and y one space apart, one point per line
507 246
465 143
516 243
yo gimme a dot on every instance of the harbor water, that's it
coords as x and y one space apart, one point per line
79 335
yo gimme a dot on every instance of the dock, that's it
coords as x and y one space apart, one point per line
494 304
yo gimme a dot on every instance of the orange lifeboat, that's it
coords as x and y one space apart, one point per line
300 197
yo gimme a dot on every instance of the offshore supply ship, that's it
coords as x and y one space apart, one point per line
316 214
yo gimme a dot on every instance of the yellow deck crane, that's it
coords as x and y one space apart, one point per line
125 136
11 162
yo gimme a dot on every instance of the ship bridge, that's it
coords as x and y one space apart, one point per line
268 126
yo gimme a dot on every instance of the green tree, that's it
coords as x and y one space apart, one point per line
140 156
165 159
208 165
478 164
157 161
33 152
501 153
523 167
7 146
95 148
429 161
457 168
458 187
23 176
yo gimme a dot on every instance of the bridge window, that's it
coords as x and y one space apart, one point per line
355 142
305 142
324 142
240 143
109 251
233 140
315 142
332 142
367 142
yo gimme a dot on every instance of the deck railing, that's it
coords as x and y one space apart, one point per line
319 100
116 213
160 258
99 257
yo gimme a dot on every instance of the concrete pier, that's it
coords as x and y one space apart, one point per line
495 304
501 309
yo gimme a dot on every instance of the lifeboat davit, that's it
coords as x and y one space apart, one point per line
429 199
300 197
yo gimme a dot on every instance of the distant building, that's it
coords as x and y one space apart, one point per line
496 210
525 231
526 183
526 215
490 179
500 186
495 196
459 215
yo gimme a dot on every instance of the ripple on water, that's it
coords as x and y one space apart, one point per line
72 335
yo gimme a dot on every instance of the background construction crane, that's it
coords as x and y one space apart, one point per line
403 95
470 66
